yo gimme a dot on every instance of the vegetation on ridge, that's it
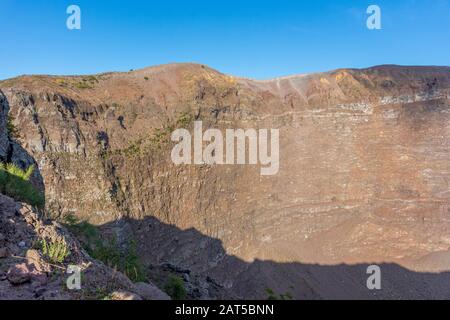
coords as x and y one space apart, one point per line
156 141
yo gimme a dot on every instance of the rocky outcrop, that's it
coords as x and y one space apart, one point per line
10 150
363 174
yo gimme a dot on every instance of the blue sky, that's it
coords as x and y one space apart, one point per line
257 39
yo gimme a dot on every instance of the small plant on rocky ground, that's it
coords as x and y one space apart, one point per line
13 131
11 168
162 136
107 297
132 266
126 261
175 288
98 293
184 119
273 296
107 250
15 182
55 251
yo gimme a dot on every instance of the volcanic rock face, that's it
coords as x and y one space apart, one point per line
10 150
364 170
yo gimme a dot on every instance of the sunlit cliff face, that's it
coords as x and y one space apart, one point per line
363 161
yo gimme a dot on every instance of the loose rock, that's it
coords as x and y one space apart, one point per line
19 274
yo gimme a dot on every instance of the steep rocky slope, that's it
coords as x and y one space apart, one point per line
364 172
28 272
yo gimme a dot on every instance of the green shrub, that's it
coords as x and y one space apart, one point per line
83 85
108 251
184 119
14 182
91 79
175 288
134 149
271 295
61 82
13 131
55 251
14 170
131 264
125 261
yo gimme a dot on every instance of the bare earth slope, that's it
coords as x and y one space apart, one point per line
364 171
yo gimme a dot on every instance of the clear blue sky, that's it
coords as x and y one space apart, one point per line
252 38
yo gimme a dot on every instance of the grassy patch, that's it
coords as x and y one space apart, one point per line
107 250
87 82
183 120
61 82
125 261
13 131
271 295
14 182
175 288
14 170
91 79
156 141
83 85
134 149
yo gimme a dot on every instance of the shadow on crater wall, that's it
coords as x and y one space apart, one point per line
165 248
